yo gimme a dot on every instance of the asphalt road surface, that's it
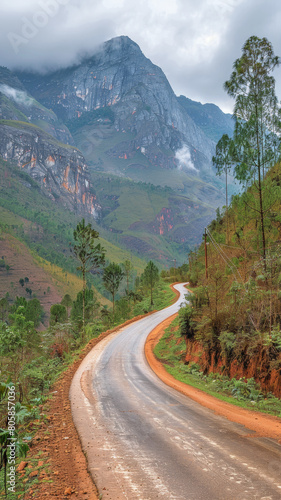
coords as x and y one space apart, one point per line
144 440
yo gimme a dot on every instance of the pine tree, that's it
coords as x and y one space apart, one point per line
90 255
112 277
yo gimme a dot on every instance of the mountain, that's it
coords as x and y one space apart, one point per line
120 78
17 104
34 138
60 170
109 139
209 117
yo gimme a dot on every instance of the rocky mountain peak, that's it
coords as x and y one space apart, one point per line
121 78
120 47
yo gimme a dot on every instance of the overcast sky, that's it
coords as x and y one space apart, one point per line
195 42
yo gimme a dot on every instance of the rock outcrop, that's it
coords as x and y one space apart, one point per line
60 170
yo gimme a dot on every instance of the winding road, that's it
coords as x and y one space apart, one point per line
144 440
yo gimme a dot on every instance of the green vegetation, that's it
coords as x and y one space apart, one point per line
31 360
30 126
176 274
149 219
91 308
57 314
235 310
112 277
44 226
144 205
89 254
257 113
9 109
246 393
127 267
150 278
225 153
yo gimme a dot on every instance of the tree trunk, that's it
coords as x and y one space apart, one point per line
226 209
83 302
113 301
260 192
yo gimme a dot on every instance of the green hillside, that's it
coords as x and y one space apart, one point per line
111 151
150 220
36 230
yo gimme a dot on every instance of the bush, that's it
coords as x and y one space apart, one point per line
227 342
186 323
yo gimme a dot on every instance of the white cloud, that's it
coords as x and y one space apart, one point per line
18 96
184 160
195 42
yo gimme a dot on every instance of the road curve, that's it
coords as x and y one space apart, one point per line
144 440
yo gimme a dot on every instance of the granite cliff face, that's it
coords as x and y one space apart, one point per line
60 171
121 78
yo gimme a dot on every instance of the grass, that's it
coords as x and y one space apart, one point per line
67 282
9 108
163 296
133 210
8 218
119 255
135 205
95 142
246 394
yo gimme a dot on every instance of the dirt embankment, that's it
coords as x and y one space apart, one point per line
263 425
257 366
262 364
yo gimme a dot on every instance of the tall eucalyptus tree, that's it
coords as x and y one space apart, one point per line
256 134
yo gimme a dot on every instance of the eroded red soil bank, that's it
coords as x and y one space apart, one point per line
257 366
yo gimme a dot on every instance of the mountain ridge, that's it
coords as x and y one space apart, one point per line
120 76
125 122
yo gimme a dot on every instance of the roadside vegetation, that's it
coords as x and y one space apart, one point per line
32 358
243 392
232 324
